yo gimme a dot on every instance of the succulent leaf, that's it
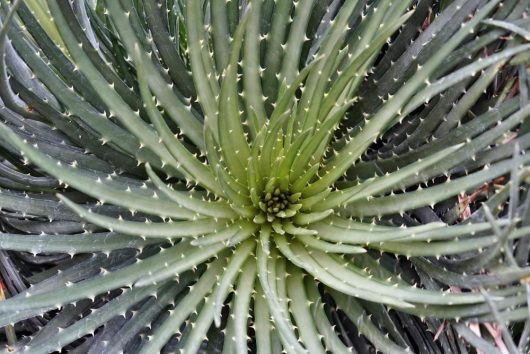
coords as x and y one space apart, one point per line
309 176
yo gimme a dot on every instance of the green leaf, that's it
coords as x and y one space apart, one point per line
379 185
262 322
169 229
95 285
317 243
280 318
393 107
298 255
166 47
96 185
356 313
219 209
429 196
184 308
326 329
72 244
235 148
241 311
254 100
240 255
239 229
301 312
179 112
293 47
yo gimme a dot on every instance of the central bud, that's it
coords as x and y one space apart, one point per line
277 207
278 204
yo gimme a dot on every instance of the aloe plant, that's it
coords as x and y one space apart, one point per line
265 176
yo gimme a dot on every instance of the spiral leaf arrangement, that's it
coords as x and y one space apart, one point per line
268 175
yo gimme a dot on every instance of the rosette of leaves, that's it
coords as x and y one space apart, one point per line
266 176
